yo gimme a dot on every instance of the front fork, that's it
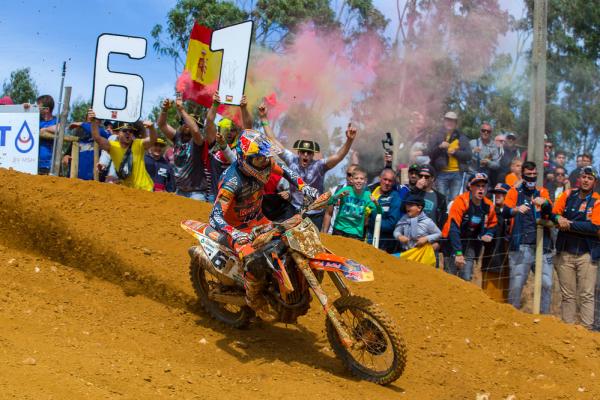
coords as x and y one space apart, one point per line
331 312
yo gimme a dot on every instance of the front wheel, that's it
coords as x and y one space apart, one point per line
379 353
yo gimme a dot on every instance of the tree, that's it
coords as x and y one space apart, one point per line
79 110
20 87
573 76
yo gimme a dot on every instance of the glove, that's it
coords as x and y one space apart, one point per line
310 192
240 237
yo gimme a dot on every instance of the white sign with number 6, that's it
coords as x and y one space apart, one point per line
234 42
133 47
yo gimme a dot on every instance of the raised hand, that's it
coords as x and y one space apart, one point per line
351 132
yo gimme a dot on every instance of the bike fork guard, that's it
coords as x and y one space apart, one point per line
302 264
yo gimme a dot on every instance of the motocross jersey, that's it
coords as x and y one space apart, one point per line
238 205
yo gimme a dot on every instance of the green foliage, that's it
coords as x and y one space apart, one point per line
20 87
573 75
79 110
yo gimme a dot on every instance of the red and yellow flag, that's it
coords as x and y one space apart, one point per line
202 68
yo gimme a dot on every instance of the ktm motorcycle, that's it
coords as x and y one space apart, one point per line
295 262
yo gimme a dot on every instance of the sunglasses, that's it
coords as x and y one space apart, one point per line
128 131
425 176
548 146
486 131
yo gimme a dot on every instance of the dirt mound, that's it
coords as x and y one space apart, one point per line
95 301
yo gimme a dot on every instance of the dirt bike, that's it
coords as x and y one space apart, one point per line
295 261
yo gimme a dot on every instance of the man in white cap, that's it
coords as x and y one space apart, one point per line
450 154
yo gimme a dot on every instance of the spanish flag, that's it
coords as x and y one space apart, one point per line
202 66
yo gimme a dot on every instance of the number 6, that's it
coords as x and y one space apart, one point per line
134 47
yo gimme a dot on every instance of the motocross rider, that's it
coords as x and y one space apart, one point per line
237 209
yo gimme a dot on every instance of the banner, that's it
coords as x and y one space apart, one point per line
202 68
19 138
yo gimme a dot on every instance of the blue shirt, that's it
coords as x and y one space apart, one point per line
86 151
45 149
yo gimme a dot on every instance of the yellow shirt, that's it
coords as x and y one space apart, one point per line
139 178
452 161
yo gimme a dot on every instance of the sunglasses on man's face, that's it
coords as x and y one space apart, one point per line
425 176
486 131
127 131
548 146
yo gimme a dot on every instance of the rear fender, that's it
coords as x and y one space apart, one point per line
352 270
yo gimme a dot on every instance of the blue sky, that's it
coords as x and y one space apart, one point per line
43 34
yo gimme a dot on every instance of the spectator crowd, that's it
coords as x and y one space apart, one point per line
466 202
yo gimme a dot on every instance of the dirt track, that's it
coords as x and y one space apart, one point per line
95 293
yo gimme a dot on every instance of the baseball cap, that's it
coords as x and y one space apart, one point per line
589 170
161 142
414 167
6 101
502 188
450 115
510 135
414 199
478 177
427 169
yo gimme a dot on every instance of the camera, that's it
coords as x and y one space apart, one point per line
388 145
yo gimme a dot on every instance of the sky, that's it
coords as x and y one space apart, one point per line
43 34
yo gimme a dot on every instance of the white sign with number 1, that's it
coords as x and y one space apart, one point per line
234 42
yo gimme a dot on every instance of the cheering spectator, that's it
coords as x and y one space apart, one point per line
494 268
313 171
436 206
559 185
190 152
48 125
390 201
127 153
583 160
450 154
486 155
471 221
577 213
332 211
526 203
514 178
355 204
159 169
415 229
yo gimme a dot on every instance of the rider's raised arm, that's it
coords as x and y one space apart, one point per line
293 178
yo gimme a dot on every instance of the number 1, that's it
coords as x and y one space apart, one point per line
234 42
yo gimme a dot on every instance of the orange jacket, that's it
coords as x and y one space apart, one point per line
459 216
584 215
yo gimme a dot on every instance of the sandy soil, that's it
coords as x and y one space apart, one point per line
95 302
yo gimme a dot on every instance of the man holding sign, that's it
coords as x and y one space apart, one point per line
127 152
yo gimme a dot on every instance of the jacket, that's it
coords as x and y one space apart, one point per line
467 221
516 197
439 157
585 220
416 227
390 206
489 152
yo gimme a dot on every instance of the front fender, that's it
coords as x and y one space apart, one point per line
351 269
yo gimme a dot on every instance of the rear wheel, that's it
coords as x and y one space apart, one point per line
203 282
379 354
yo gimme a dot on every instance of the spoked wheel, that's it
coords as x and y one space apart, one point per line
229 314
379 354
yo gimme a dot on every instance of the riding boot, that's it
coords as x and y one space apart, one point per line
256 300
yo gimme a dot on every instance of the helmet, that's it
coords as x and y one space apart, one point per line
254 155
